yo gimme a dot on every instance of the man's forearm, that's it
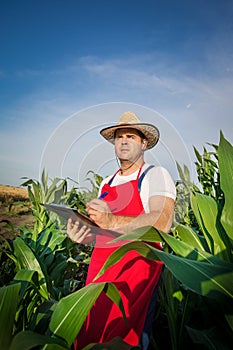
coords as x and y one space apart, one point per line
125 224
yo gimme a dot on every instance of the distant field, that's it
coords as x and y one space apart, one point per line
8 193
14 209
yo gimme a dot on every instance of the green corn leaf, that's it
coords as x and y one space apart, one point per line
36 191
26 275
184 174
198 156
189 236
206 211
71 311
31 196
26 260
29 279
9 298
201 277
58 191
188 251
51 238
225 153
44 182
29 293
28 182
44 238
187 174
214 281
147 233
50 195
58 268
27 340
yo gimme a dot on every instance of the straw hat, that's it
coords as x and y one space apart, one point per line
130 120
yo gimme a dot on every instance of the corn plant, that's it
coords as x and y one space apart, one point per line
47 268
43 192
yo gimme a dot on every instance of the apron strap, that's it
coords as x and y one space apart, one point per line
111 180
142 177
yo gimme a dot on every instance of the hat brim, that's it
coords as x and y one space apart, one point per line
150 131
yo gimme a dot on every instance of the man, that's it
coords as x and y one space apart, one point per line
137 195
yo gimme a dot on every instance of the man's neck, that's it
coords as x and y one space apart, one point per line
129 167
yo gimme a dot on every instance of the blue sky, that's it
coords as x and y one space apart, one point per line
67 68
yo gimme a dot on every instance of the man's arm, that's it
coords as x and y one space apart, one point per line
160 216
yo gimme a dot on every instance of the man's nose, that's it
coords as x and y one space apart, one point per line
124 140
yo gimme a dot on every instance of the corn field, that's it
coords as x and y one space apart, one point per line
43 297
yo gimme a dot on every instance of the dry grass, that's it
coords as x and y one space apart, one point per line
10 194
14 209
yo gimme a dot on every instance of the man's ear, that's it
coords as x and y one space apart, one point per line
144 144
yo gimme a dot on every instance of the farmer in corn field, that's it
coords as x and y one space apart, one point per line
137 195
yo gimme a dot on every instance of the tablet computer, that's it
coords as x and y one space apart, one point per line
73 213
67 212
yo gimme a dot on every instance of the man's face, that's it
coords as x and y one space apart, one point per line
128 144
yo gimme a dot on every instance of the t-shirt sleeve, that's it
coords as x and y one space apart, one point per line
159 182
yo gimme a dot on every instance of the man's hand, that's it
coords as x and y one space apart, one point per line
100 213
78 233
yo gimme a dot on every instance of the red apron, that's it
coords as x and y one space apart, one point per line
135 277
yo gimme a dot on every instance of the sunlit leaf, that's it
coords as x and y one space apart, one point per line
188 251
27 260
189 236
206 212
147 233
225 153
71 311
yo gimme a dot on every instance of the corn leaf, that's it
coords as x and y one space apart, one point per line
71 311
189 236
26 260
206 211
201 277
50 238
188 251
26 275
29 340
9 298
225 153
44 182
147 233
50 194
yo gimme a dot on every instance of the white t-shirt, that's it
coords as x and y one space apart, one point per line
157 181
